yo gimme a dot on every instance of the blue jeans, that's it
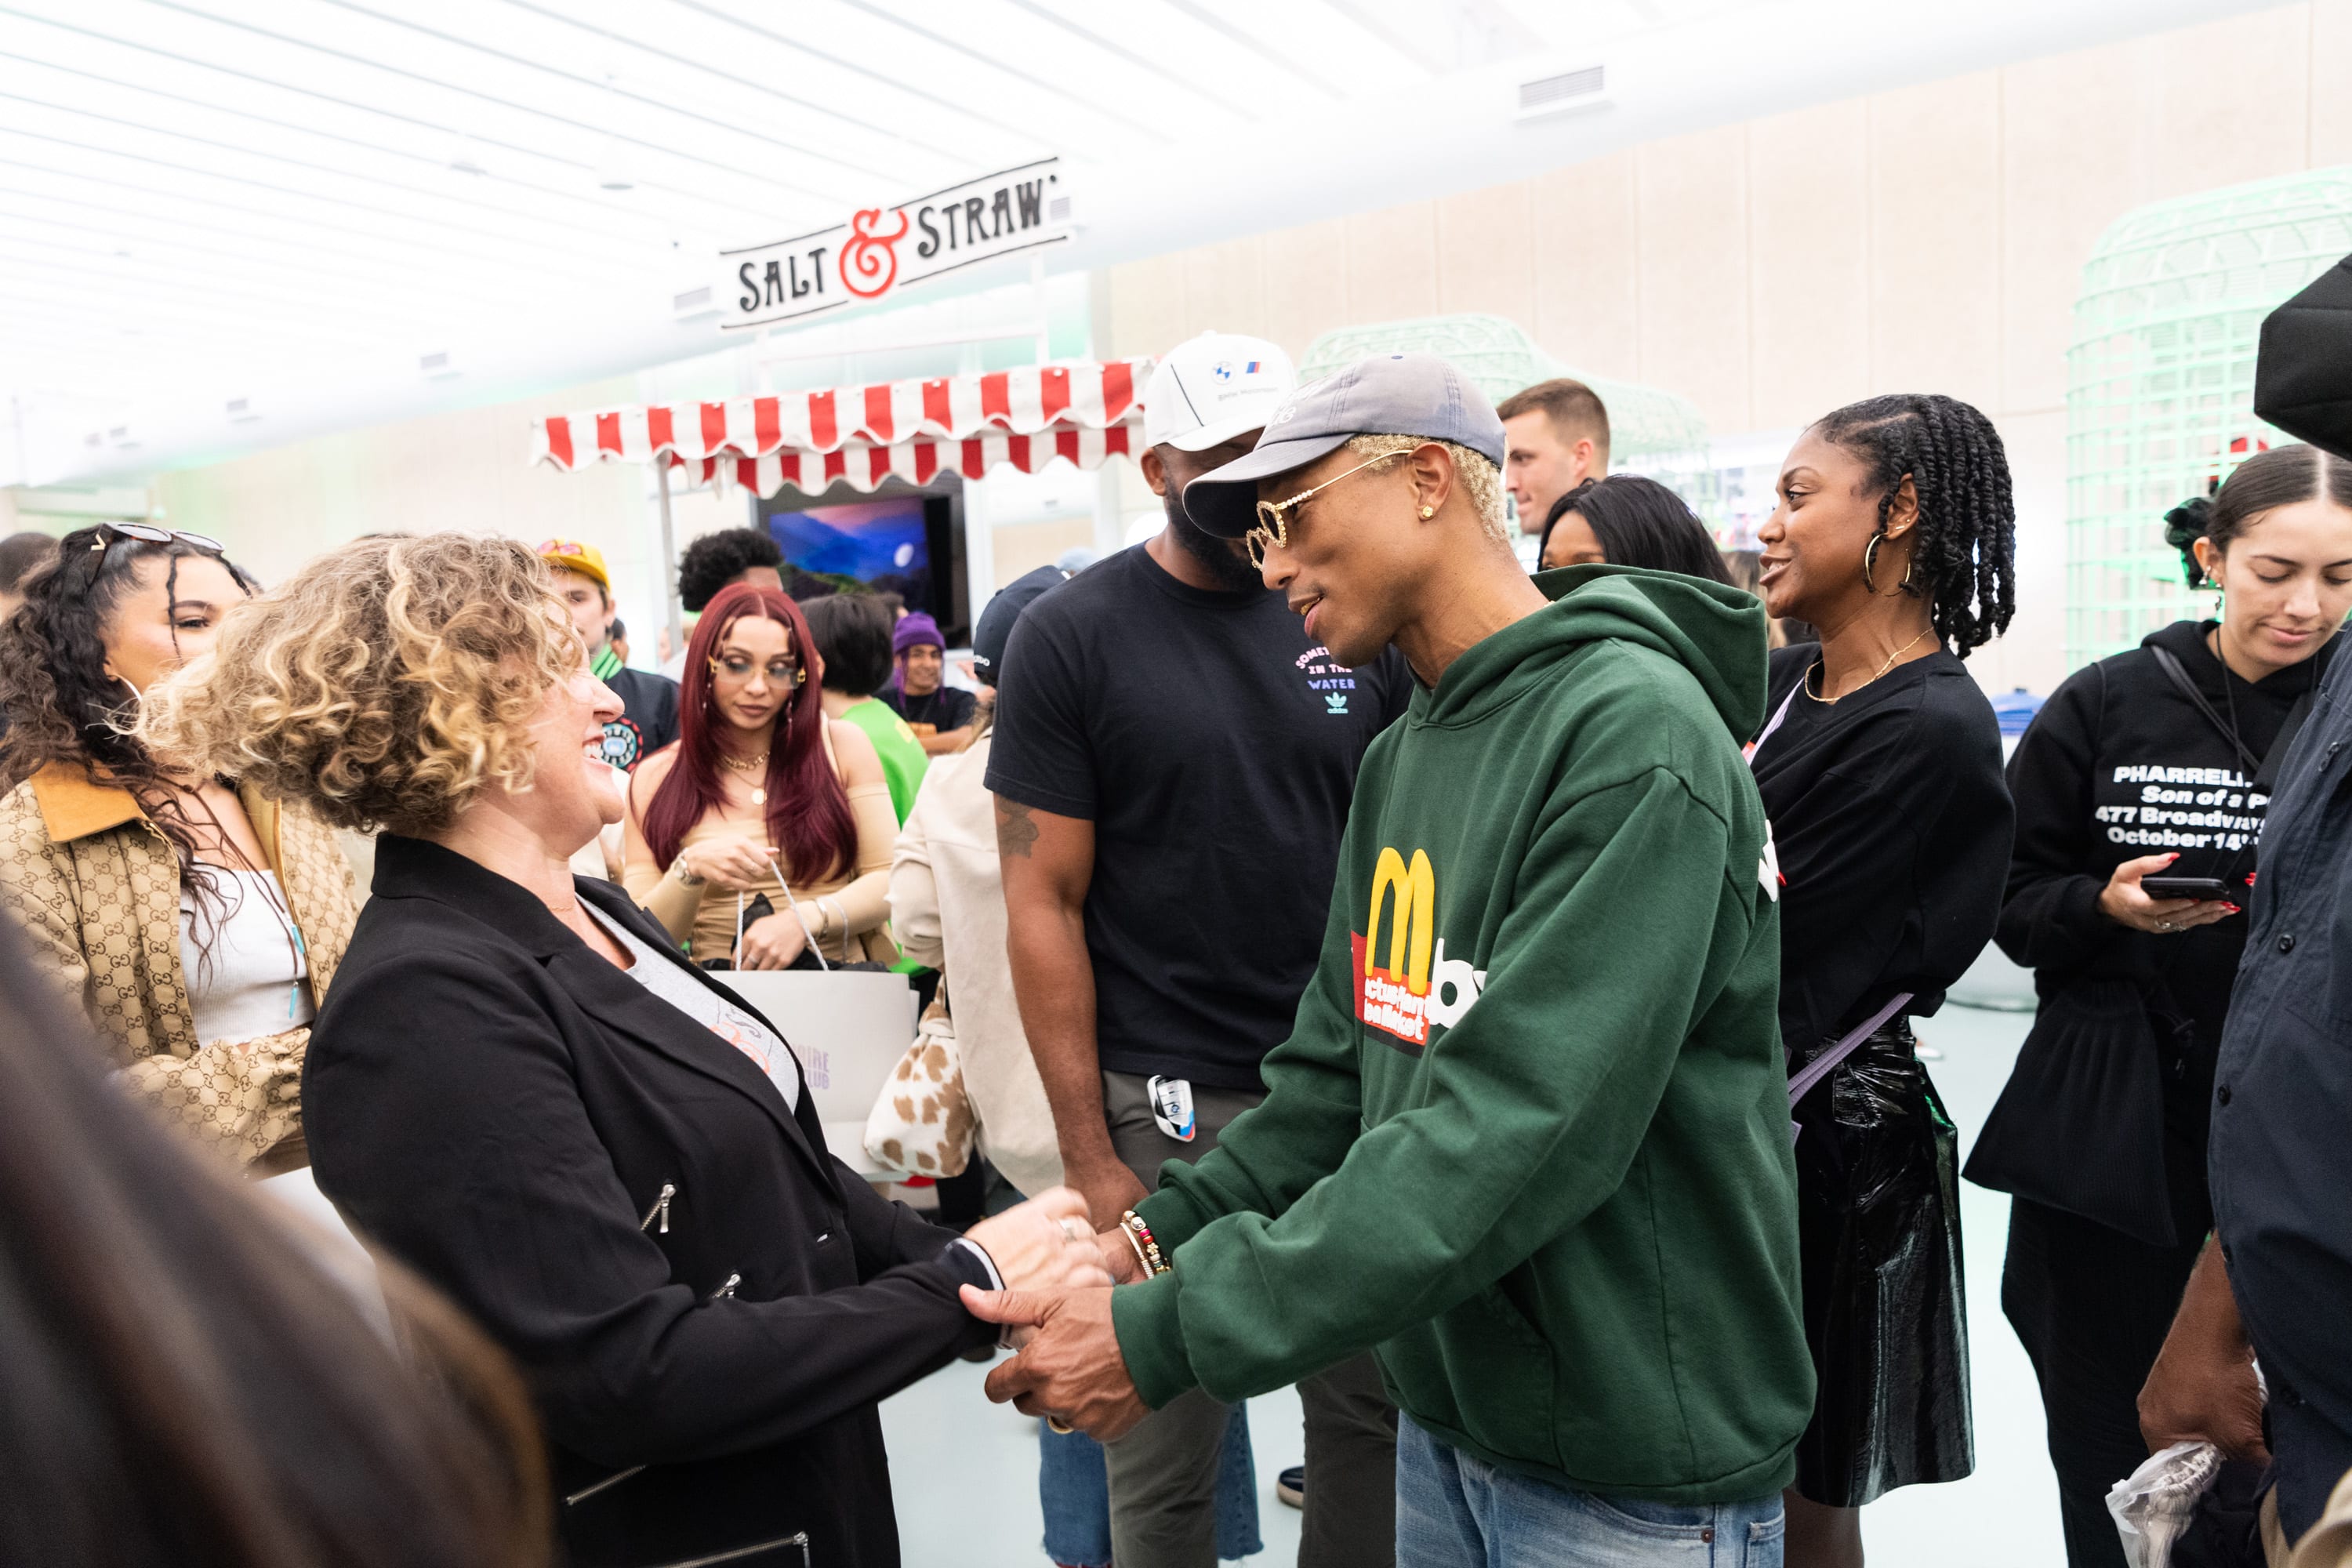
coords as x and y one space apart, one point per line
1075 1496
1456 1511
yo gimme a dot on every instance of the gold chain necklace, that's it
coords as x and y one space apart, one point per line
1882 669
757 767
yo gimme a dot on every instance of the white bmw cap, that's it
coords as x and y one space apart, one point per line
1213 388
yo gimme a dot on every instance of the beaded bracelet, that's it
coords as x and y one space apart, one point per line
1139 1235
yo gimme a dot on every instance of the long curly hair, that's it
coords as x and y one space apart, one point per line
385 685
807 809
1965 544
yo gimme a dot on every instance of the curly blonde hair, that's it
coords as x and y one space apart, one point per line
383 685
1482 482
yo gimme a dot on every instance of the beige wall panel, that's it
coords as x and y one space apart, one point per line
1023 547
1147 305
1305 283
1224 287
2225 102
1692 245
2070 166
2326 90
1392 263
1935 240
1486 256
1581 221
1808 233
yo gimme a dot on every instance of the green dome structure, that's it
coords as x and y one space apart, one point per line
2160 379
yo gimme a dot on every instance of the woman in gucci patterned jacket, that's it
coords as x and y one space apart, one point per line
197 923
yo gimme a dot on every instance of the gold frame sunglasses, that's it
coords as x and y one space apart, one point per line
1272 532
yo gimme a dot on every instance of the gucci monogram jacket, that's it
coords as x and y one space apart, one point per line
97 889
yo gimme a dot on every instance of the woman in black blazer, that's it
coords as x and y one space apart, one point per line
522 1092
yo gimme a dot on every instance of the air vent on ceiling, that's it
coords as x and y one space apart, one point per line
1058 210
1586 88
693 304
241 411
436 367
120 436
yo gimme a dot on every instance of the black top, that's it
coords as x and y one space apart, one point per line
501 1108
948 708
2118 764
2280 1161
1214 748
648 719
1892 827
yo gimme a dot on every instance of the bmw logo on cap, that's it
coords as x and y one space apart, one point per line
1224 369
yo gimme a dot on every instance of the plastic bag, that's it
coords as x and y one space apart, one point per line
2154 1504
1879 1231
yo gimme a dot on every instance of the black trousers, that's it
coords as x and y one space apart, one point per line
2091 1306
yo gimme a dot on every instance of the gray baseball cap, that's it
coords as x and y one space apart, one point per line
1389 394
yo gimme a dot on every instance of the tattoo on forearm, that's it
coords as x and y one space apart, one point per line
1016 829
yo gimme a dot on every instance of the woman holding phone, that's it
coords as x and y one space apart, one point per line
2140 791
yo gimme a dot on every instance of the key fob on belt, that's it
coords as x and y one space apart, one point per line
1171 1107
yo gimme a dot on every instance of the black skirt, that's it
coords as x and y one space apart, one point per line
1879 1230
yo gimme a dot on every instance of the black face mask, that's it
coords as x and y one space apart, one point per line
1231 569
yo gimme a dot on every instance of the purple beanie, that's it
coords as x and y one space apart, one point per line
916 628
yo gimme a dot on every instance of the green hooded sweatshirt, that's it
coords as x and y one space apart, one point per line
1528 1138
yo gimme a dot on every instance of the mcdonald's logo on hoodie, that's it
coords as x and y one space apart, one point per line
1419 987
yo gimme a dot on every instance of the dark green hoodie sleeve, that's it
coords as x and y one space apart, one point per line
1535 1105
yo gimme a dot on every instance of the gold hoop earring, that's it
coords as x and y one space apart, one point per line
1869 562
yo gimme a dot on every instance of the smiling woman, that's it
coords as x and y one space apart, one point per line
522 1089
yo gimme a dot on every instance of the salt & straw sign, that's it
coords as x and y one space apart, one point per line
876 251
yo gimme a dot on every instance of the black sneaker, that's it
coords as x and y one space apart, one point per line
1291 1486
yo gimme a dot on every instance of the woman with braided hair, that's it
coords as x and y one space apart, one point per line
2156 762
1880 770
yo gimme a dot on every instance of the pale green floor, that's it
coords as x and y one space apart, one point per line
965 1471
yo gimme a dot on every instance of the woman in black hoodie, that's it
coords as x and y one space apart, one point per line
2155 763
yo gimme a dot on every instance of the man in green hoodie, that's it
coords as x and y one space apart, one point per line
1528 1137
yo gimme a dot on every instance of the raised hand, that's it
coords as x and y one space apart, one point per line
1070 1368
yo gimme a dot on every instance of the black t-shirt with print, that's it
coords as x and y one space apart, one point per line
648 719
1214 748
947 708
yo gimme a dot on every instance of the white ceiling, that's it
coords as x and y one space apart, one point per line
292 201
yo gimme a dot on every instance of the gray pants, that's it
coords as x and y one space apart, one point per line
1163 1474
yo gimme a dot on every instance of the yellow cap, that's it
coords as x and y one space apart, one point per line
573 556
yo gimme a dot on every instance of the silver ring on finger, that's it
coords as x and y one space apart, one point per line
2164 925
1070 1229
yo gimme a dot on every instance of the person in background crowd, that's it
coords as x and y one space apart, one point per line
717 560
947 908
115 1418
1532 1145
936 712
2101 1134
2273 1282
21 554
195 918
522 1090
648 719
1558 433
617 637
763 797
1628 521
1154 962
853 634
1880 769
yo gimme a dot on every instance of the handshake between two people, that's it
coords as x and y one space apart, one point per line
1055 1311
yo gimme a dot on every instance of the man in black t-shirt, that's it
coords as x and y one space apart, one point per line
1173 760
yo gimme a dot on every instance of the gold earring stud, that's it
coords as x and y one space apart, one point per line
1427 512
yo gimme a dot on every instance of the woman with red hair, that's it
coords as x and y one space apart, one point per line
761 796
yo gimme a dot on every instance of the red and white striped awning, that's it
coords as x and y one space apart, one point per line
914 429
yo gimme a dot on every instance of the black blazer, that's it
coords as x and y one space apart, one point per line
503 1110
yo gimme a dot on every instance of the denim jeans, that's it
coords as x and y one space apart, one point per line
1456 1511
1075 1495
